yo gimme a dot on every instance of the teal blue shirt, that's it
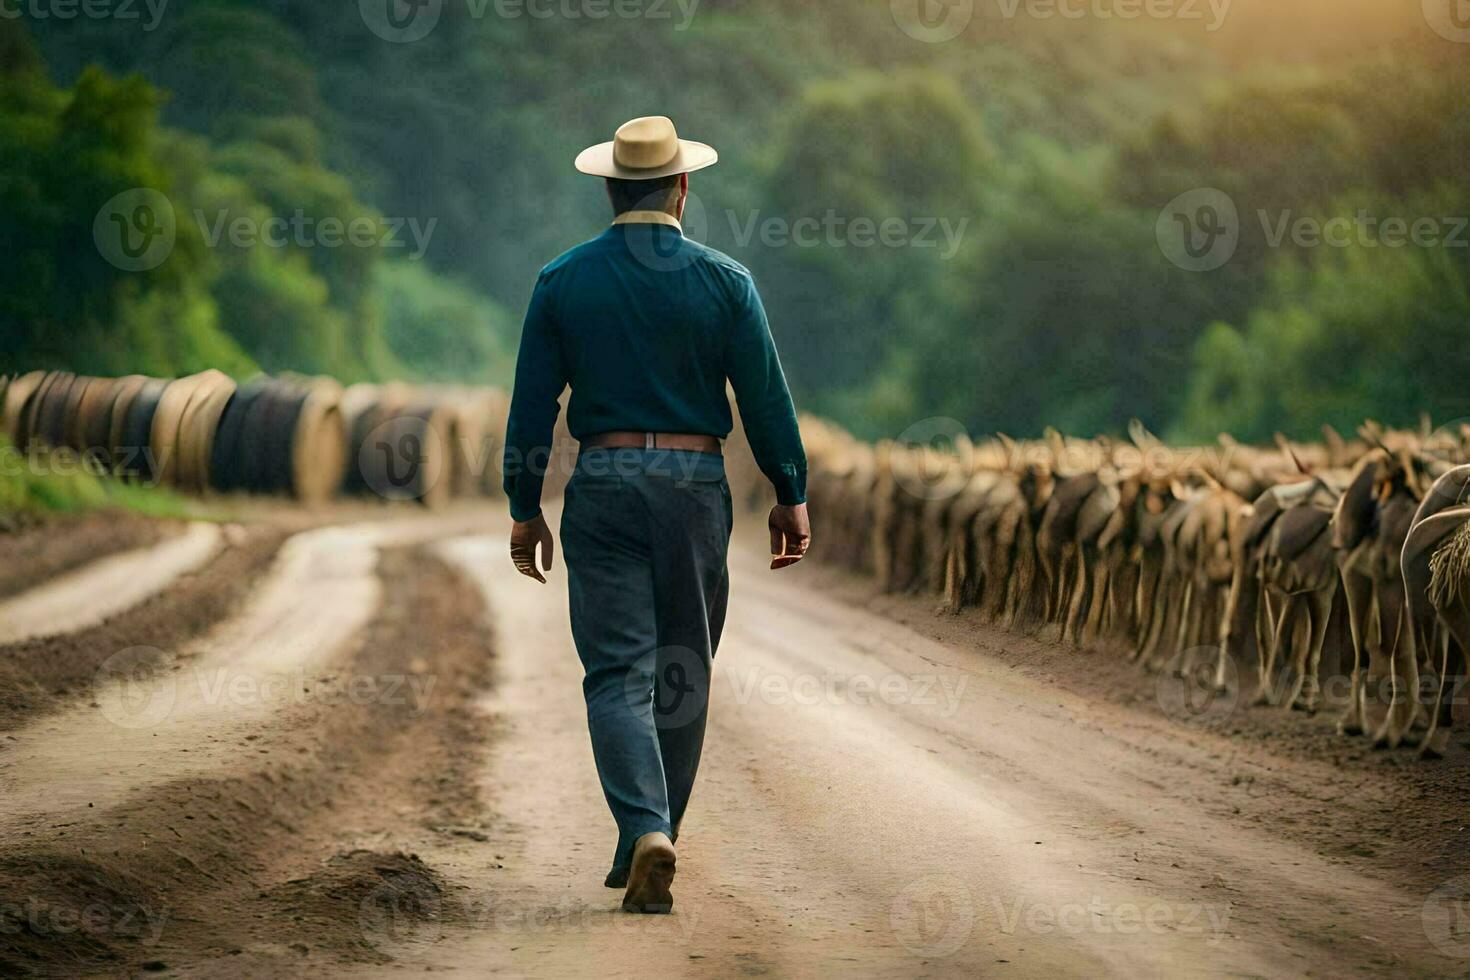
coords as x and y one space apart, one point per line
647 326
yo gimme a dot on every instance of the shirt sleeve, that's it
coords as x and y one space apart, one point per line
766 410
540 379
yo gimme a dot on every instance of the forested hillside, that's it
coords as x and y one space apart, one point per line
1027 161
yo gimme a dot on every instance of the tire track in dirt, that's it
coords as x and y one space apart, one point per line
164 713
93 593
279 848
42 674
35 548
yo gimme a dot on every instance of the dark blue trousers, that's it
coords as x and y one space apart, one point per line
645 533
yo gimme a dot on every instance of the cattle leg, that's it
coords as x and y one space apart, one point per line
1030 597
1307 695
1102 586
1145 605
1124 585
1157 610
1454 638
954 573
1358 591
1404 662
1175 665
1266 693
1081 596
1049 575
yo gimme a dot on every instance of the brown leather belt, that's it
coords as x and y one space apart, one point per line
653 440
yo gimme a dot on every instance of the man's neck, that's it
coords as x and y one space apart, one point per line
648 218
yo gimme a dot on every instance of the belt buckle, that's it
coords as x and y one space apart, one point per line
648 441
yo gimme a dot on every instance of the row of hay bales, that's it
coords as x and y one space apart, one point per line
304 437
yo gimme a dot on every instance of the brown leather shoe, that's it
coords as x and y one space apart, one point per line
651 876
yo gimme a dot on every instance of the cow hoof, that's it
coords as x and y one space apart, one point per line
1388 740
1349 727
1310 707
1435 746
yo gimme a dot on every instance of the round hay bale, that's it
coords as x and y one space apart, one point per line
94 422
125 391
18 394
470 450
133 454
71 421
399 449
197 428
48 420
164 438
360 415
319 443
228 472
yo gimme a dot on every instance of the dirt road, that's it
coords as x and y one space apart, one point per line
877 798
878 803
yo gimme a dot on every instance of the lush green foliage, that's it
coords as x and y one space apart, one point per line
43 483
1047 148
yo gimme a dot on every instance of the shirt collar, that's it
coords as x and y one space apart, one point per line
648 218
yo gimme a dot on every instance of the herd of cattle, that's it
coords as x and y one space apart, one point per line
1215 563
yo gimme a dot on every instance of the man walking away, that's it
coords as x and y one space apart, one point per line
647 327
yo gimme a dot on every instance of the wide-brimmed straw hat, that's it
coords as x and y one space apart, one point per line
643 149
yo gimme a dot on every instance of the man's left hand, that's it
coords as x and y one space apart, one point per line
524 538
791 534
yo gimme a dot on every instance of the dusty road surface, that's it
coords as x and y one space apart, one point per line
877 803
878 798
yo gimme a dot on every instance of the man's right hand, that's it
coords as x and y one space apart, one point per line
791 534
524 537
